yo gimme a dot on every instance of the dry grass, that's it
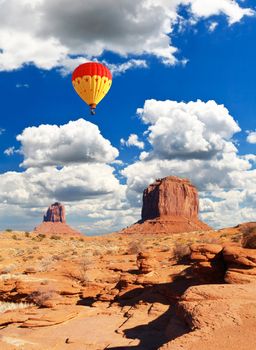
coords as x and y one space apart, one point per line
249 239
6 306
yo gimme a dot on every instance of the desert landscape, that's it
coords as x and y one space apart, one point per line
127 175
167 282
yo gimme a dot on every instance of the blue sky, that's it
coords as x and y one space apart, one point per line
214 61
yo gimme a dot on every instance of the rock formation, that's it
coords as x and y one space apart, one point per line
55 213
170 205
54 222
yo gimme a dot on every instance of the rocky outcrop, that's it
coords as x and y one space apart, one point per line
54 222
241 265
146 263
55 213
208 265
170 205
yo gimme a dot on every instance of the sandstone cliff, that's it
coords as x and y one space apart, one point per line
170 205
54 222
55 213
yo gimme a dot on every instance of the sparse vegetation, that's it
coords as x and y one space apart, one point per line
181 251
56 237
5 306
249 238
80 273
135 247
40 297
8 230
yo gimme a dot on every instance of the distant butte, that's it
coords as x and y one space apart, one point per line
54 222
170 205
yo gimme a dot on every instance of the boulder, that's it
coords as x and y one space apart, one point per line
207 262
241 265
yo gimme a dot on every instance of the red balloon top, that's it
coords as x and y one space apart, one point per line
91 69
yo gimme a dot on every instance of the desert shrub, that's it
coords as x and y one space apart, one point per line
237 238
27 234
55 237
7 269
210 240
30 269
135 247
8 230
14 237
97 252
41 236
249 239
181 251
39 297
45 264
81 272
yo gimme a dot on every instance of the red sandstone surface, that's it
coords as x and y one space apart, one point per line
189 291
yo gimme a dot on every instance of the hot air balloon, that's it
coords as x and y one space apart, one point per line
92 80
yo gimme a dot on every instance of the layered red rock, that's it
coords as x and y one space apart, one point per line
54 222
55 213
170 205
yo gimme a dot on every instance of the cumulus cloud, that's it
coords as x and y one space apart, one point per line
71 183
65 163
251 138
195 130
133 140
85 29
84 189
75 142
194 140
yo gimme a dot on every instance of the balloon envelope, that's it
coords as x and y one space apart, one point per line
92 81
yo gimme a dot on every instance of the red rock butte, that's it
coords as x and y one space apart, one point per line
54 222
170 205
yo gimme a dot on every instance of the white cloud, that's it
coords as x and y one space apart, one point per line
123 67
23 85
9 151
213 26
230 8
76 142
195 130
194 140
84 189
133 140
68 64
72 34
65 163
251 138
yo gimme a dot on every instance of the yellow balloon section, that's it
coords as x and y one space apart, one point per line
92 89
